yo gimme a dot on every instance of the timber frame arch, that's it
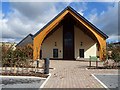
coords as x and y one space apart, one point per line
40 35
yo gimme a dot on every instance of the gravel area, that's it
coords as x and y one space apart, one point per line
111 81
22 83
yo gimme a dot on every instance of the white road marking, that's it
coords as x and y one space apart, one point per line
100 82
45 81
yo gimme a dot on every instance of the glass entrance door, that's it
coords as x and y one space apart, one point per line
68 40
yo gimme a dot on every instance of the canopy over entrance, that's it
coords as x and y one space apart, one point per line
79 21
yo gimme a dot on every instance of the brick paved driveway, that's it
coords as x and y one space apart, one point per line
73 74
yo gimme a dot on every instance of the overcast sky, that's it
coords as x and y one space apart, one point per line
20 19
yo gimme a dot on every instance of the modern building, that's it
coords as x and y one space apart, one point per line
68 36
27 40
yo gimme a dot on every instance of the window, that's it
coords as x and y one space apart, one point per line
81 53
55 53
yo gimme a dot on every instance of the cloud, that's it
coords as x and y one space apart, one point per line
107 21
113 39
29 17
119 19
25 18
10 40
84 7
35 11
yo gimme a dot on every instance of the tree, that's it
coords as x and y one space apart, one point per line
116 54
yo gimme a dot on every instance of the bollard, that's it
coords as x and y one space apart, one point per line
46 68
37 63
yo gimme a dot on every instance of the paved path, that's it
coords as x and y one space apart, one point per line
111 81
73 74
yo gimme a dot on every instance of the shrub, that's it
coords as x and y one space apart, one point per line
116 54
16 57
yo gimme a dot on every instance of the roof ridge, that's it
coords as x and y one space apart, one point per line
79 15
25 38
91 24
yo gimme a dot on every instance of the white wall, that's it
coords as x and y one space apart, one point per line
49 44
88 44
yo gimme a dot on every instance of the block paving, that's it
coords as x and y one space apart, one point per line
74 74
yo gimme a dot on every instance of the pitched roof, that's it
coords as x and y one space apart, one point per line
80 16
25 38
